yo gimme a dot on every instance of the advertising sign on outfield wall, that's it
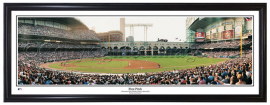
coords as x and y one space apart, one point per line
228 34
238 31
214 36
208 35
219 35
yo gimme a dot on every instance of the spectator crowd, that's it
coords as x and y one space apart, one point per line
56 45
232 44
236 71
79 34
49 56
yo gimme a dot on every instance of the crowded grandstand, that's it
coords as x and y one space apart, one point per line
43 40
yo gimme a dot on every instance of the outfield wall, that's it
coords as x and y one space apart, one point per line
146 48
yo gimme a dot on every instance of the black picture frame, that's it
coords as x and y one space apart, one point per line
261 7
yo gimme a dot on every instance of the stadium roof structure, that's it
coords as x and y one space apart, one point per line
68 21
204 22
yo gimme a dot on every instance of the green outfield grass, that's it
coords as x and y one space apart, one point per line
56 65
168 63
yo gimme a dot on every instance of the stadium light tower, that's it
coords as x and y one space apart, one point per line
146 25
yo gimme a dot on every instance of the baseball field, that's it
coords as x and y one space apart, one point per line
132 64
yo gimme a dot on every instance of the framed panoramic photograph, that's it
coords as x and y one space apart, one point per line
148 52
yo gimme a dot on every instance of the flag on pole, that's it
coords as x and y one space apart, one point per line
248 18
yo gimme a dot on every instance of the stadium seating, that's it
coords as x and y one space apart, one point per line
78 34
233 44
227 73
55 45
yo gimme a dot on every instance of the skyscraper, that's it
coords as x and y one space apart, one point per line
122 27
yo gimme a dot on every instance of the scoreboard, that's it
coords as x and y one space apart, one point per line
199 35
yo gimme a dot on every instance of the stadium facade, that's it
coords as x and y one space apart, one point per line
69 34
52 34
219 34
145 48
55 30
217 28
55 34
115 36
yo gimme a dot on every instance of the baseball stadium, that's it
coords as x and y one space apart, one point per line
64 51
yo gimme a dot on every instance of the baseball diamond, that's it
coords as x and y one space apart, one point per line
120 65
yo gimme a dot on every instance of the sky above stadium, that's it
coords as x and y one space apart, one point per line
163 27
